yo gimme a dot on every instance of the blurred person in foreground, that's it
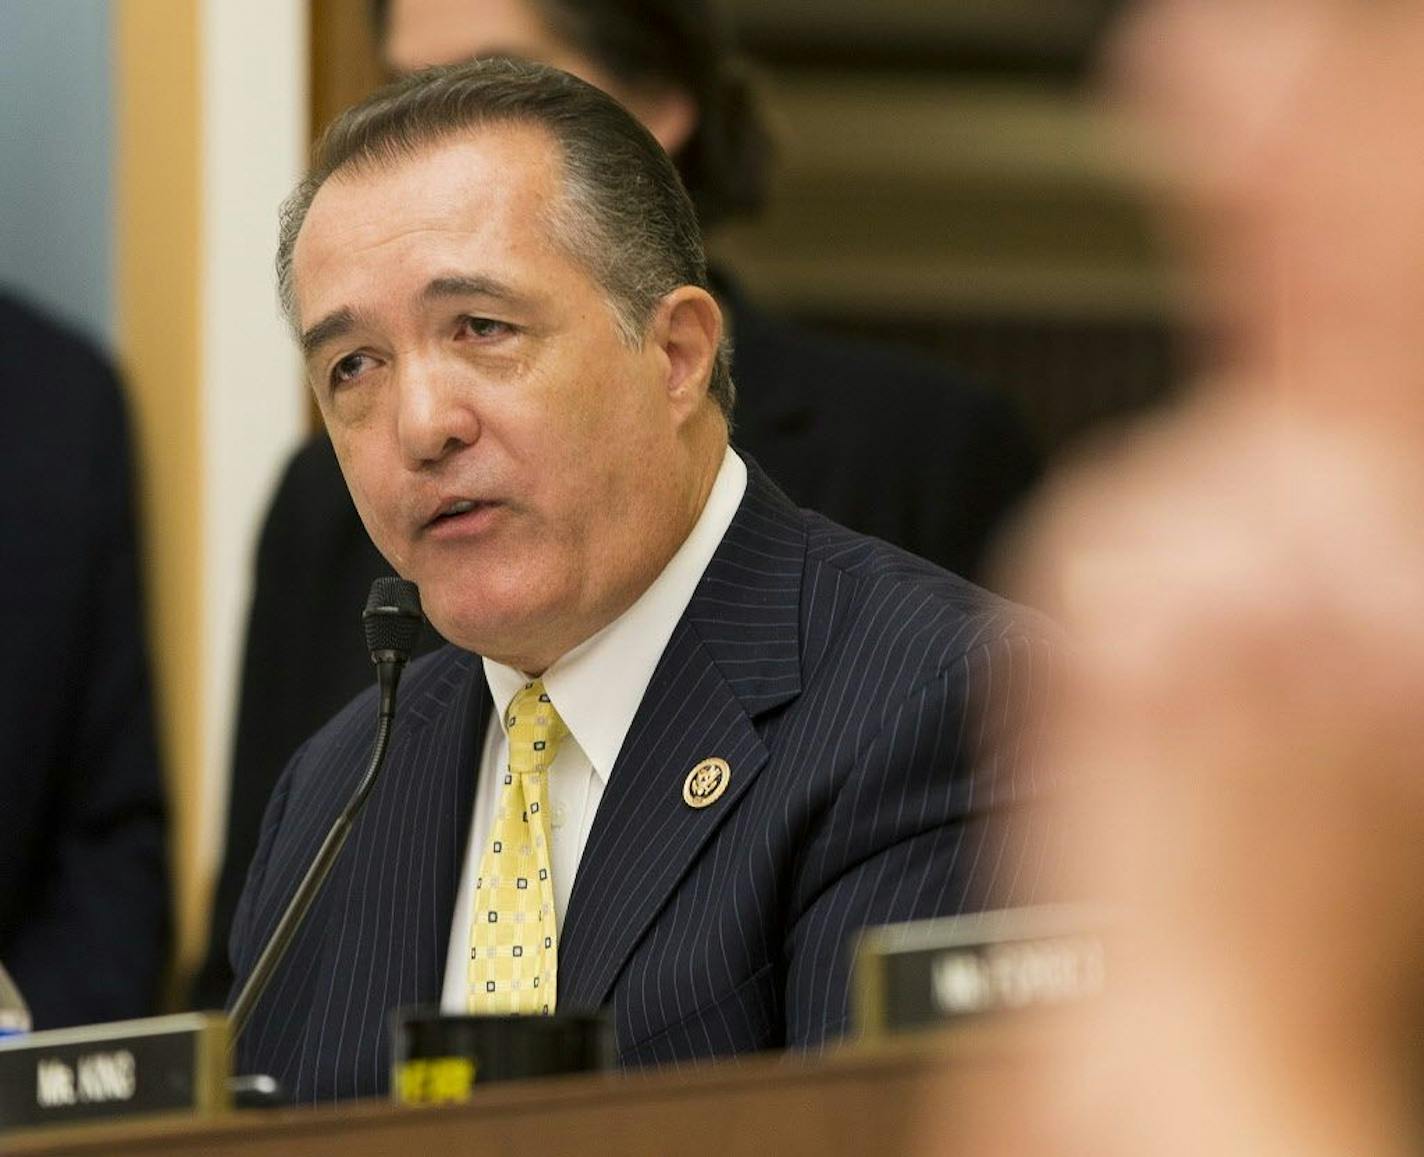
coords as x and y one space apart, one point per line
1245 579
687 738
882 441
84 893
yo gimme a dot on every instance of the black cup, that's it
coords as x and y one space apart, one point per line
437 1059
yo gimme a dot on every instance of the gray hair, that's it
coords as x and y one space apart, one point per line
624 215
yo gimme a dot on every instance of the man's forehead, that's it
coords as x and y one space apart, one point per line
458 180
468 159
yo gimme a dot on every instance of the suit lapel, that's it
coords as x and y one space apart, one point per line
733 656
402 869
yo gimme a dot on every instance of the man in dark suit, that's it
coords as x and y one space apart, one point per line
688 738
84 910
881 440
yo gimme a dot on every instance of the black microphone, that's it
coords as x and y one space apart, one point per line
392 620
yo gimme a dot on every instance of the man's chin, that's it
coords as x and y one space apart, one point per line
503 637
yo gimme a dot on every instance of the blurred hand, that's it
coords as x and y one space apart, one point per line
1242 738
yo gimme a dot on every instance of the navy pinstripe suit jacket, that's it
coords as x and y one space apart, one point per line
862 699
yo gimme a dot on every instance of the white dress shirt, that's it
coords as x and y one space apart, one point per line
596 689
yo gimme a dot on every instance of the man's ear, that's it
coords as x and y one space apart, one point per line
688 329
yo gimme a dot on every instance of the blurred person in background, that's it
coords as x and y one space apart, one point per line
1245 579
84 891
884 442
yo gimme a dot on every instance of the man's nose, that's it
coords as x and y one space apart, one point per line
434 416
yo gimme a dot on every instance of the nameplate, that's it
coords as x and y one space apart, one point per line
164 1064
936 972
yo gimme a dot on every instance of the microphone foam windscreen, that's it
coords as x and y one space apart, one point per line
392 617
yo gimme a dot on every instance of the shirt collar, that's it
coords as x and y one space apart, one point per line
596 687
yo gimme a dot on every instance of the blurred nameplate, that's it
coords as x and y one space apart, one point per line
164 1064
934 972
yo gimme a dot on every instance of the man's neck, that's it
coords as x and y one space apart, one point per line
711 449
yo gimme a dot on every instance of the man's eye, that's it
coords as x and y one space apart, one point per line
347 368
484 328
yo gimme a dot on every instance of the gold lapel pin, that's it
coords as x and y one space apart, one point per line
706 782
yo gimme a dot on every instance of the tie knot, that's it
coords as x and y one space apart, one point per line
535 729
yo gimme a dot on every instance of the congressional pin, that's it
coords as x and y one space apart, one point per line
706 782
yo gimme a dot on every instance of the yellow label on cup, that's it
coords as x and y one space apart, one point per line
434 1080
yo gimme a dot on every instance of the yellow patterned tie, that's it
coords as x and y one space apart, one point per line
513 937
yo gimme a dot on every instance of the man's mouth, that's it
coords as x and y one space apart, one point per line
456 508
459 515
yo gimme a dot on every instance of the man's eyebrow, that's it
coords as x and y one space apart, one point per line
342 321
457 285
334 325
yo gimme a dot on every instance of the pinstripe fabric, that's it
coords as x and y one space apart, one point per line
866 704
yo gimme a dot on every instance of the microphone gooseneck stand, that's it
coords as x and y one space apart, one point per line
392 621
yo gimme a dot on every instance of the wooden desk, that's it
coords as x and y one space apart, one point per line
862 1100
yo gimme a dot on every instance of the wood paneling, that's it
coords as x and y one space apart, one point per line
345 66
902 198
1006 33
158 185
